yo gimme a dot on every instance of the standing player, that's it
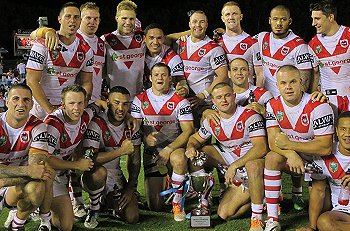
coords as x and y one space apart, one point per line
125 51
298 128
109 136
203 61
23 154
330 50
158 52
48 72
167 122
282 47
236 42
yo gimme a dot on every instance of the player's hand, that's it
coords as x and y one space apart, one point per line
296 164
131 122
258 108
282 141
191 153
40 172
51 40
151 139
212 115
319 96
196 100
181 90
163 156
126 197
183 38
84 164
230 174
345 180
127 147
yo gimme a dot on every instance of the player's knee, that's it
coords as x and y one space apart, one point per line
35 191
100 174
254 168
272 158
178 158
324 222
223 213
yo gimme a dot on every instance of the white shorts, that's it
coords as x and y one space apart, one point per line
342 208
114 177
3 192
60 185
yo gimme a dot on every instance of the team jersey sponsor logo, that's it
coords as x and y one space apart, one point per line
92 135
203 130
243 46
50 71
201 52
24 137
114 57
135 108
179 67
333 166
304 120
170 105
41 137
258 56
217 131
193 68
80 56
186 110
220 59
304 58
239 126
90 62
64 138
344 43
322 122
270 116
83 128
259 125
318 49
285 50
145 105
101 46
138 38
51 140
3 140
36 57
55 54
107 135
280 115
265 45
136 136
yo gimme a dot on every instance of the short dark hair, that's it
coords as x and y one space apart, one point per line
281 7
152 26
20 86
119 89
72 88
69 4
161 65
345 114
326 6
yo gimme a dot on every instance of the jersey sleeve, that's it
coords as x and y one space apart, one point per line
39 134
255 125
37 57
271 120
176 66
204 130
302 54
92 136
217 58
184 111
136 111
313 57
89 61
136 135
265 98
256 54
53 136
322 120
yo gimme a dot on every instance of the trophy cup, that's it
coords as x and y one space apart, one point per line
200 216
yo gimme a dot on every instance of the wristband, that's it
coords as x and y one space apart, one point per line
205 93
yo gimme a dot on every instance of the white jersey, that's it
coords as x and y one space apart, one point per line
334 168
301 123
63 138
21 67
291 50
60 68
241 46
98 47
103 135
125 59
332 55
15 143
200 60
162 114
236 132
167 56
262 96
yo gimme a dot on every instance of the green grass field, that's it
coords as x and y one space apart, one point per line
290 219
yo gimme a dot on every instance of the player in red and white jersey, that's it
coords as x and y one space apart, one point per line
125 51
282 47
109 136
293 119
241 138
48 72
236 42
23 150
167 124
330 51
334 169
66 127
203 59
157 52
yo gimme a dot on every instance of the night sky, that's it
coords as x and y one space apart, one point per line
170 14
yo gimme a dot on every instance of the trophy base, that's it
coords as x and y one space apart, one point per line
200 220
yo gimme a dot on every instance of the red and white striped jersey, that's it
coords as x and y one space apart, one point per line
236 132
60 68
162 114
125 59
167 56
15 143
291 50
331 54
98 47
334 168
200 60
103 135
262 96
303 122
241 46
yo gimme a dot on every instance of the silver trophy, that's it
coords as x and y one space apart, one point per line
200 160
200 216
